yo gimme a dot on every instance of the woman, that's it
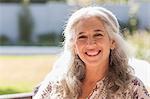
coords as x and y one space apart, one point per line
94 63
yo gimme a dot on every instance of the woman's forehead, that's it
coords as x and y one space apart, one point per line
89 23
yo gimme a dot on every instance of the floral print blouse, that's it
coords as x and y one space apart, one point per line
136 90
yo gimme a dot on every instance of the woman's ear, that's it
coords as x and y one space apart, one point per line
113 44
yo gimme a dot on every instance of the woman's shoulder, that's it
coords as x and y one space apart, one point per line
138 89
49 89
42 91
136 82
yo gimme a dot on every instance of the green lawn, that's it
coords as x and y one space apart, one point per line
23 73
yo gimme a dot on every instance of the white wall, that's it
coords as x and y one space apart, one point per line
8 20
144 15
51 17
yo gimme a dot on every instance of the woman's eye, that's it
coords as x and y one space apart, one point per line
98 35
81 37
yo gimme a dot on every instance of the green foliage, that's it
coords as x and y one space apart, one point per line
4 40
10 1
8 90
38 1
25 25
58 0
31 1
20 87
133 24
123 25
50 39
13 89
139 42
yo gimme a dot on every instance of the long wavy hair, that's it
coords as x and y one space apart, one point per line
69 70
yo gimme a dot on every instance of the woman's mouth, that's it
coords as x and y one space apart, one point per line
92 53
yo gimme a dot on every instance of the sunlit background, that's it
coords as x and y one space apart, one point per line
31 37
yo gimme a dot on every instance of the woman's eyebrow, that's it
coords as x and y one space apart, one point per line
80 33
98 30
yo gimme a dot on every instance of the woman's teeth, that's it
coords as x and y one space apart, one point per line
92 53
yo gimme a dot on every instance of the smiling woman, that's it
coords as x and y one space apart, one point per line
92 43
94 63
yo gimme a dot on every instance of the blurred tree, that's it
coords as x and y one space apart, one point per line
73 1
25 23
10 1
133 21
4 40
38 1
58 0
31 1
19 1
50 39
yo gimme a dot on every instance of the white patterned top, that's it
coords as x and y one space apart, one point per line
136 90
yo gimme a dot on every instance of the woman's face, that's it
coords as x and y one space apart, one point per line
92 43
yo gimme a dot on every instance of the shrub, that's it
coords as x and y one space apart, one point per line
26 24
139 42
50 39
4 40
133 24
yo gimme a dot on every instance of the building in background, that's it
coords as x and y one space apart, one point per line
49 18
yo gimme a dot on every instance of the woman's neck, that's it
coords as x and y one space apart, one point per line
96 73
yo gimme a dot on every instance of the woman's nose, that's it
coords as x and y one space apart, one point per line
91 41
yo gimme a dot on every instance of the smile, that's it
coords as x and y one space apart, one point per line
92 53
